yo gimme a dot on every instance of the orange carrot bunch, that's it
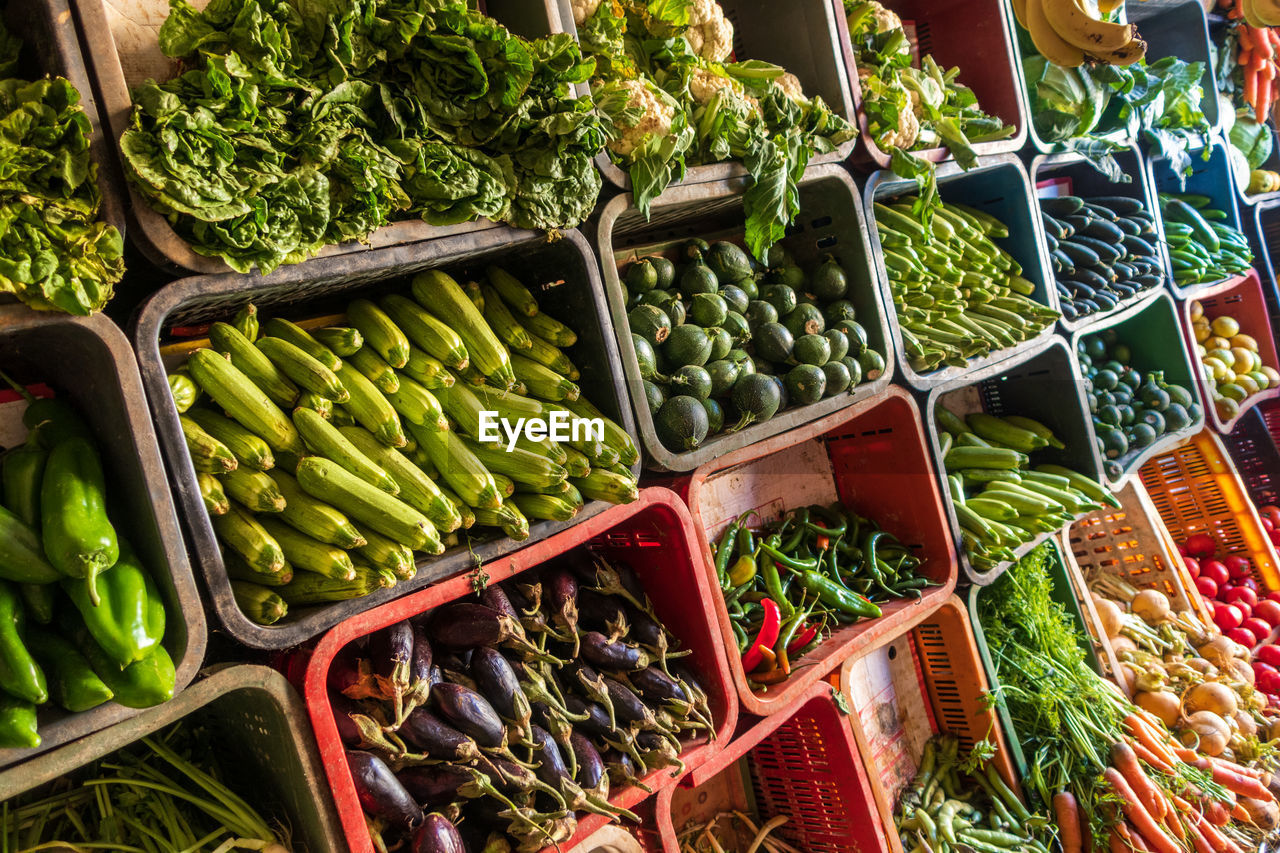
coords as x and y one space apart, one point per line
1258 55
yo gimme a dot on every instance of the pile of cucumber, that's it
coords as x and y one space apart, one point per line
1103 251
1202 248
328 457
1130 408
958 295
1000 499
722 343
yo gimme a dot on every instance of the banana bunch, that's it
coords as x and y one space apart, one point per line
1070 33
1260 13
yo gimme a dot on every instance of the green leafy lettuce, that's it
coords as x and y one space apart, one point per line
300 124
54 253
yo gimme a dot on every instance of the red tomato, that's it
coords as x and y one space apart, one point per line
1268 610
1274 595
1207 587
1271 512
1182 549
1237 566
1267 656
1240 596
1267 524
1193 566
1200 546
1243 637
1216 570
1258 627
1249 583
1274 535
1227 616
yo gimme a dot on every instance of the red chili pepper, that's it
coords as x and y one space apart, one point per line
802 639
768 635
823 542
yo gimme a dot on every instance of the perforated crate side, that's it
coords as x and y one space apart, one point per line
1196 489
1256 456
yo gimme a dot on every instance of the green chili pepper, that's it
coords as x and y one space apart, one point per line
128 619
743 571
773 586
72 682
78 537
791 562
20 675
793 542
838 598
17 723
746 540
724 552
741 636
831 532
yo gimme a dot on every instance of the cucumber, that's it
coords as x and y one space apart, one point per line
681 423
327 481
1118 204
324 438
280 328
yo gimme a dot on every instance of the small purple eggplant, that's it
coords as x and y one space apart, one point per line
598 650
539 687
471 713
656 686
591 685
560 729
627 706
562 591
495 598
623 771
658 752
437 834
380 792
466 625
343 708
443 783
553 771
437 738
591 774
609 579
603 613
517 780
392 652
497 681
596 722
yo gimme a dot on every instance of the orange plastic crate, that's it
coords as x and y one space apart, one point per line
928 681
1196 489
1133 544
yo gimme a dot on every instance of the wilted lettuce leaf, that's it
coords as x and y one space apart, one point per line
54 254
301 123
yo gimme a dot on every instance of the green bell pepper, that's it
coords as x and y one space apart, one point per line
20 675
17 724
72 682
141 684
78 537
128 619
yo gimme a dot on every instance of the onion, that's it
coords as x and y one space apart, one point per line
1151 605
1163 704
1210 696
1219 651
1109 615
1206 732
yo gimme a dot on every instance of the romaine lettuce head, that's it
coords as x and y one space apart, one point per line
1064 103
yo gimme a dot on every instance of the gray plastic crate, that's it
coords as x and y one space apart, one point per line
261 722
1087 182
1043 383
564 277
122 51
1262 227
998 186
88 362
1211 177
803 36
831 221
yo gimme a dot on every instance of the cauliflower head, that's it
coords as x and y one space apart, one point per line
790 86
906 133
704 83
710 33
655 120
583 9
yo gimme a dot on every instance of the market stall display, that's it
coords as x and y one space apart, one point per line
640 549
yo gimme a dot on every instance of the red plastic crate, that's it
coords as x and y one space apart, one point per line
655 535
1240 297
1196 489
873 457
973 35
928 681
803 763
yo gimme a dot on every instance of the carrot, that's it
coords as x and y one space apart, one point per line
1171 819
1150 757
1273 35
1235 14
1255 772
1216 814
1244 55
1233 780
1117 844
1238 812
1262 43
1124 760
1201 843
1251 82
1133 809
1217 839
1152 739
1068 813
